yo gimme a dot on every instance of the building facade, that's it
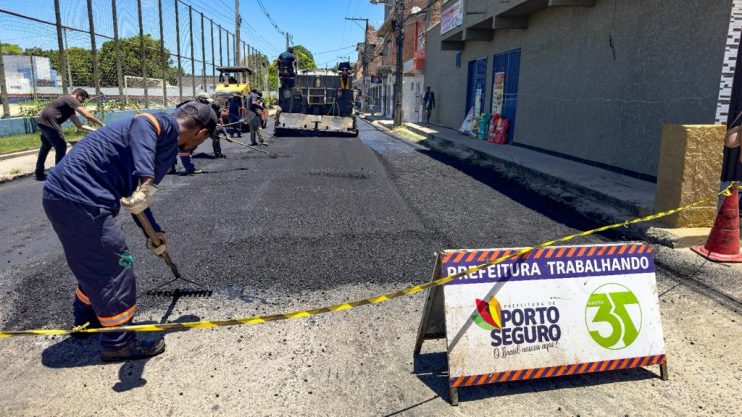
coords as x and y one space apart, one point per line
413 56
24 73
589 80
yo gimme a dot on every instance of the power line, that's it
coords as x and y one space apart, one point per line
334 50
270 19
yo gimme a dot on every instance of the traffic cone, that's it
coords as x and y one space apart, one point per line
723 241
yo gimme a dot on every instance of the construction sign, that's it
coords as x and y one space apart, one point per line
554 311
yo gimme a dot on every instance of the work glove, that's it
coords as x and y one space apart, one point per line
161 248
139 200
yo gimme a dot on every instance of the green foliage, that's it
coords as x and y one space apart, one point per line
273 76
32 108
10 49
16 143
131 60
306 59
81 61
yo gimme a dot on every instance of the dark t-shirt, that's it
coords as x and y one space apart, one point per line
234 105
287 62
107 164
58 111
250 106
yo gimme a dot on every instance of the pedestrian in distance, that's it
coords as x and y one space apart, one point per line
116 166
50 122
428 104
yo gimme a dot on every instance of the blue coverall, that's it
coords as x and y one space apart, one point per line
235 104
81 199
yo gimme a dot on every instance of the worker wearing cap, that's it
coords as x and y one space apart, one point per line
253 117
117 165
203 97
50 122
287 68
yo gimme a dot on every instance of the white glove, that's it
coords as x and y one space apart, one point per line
139 200
162 248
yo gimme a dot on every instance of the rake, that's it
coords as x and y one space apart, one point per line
228 139
177 292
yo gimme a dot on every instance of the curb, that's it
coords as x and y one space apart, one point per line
16 177
585 204
18 154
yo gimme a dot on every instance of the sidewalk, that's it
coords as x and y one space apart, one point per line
20 164
604 196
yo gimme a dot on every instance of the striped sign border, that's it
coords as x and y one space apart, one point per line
574 369
547 253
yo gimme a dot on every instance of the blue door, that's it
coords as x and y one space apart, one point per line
476 86
508 63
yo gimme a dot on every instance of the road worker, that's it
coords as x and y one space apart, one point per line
287 68
50 122
116 166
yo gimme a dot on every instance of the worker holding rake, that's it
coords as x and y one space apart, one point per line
116 166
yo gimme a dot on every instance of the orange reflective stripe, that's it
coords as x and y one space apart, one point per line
152 120
118 319
81 296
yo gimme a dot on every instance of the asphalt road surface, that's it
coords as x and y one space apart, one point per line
322 221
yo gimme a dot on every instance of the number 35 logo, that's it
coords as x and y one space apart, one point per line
612 314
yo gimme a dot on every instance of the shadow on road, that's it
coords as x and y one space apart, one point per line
431 369
74 353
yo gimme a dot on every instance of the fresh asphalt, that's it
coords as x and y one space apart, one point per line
325 220
320 213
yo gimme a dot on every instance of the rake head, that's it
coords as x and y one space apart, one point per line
179 292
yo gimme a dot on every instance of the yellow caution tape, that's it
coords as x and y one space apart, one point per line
352 304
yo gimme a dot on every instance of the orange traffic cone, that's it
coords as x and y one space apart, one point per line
723 242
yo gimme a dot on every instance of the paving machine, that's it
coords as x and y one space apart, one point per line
319 104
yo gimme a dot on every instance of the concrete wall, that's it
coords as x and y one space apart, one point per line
21 125
576 99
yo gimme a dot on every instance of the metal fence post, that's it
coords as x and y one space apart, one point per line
142 54
177 46
162 56
3 87
228 61
193 60
117 49
60 44
94 51
221 58
203 54
213 66
33 78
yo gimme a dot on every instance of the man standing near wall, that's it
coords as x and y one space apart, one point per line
50 122
428 104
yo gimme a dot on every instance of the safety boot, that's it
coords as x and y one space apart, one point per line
135 349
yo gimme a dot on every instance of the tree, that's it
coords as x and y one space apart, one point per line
131 63
10 49
306 59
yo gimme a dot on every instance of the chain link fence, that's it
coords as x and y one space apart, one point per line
125 53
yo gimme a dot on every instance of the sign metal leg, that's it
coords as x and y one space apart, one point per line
663 371
453 395
428 306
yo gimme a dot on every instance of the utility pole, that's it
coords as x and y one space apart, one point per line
287 40
364 63
237 33
399 26
3 87
60 45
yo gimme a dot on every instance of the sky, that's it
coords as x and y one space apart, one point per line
317 24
